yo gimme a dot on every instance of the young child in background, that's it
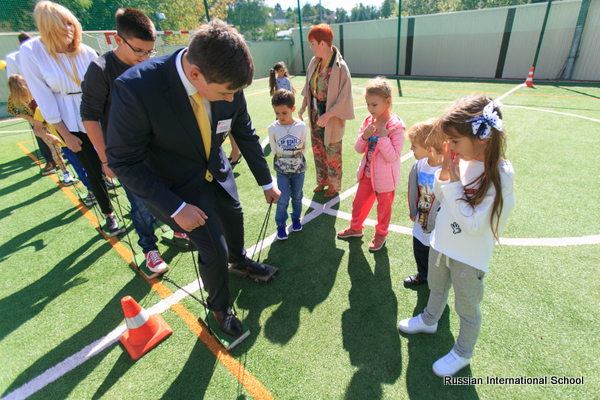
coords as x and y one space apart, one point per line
287 137
20 99
426 140
475 189
279 79
380 139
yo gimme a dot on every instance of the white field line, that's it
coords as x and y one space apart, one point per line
28 130
72 362
511 91
555 112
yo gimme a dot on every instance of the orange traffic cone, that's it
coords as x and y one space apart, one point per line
529 80
144 331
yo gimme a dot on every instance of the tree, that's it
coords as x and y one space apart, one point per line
248 16
389 8
17 15
341 16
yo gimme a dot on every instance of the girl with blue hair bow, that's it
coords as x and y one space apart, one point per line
475 190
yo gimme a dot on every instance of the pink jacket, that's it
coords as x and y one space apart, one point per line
385 164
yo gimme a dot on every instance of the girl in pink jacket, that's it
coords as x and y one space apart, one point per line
380 139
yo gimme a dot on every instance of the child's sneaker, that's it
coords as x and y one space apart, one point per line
414 280
296 225
377 242
112 226
450 364
110 182
90 200
416 325
281 233
155 263
180 235
67 179
349 232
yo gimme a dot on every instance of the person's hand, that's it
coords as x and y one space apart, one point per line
72 142
107 171
413 218
383 132
272 195
300 112
323 119
450 165
369 131
190 217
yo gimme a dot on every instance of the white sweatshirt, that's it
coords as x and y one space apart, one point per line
462 232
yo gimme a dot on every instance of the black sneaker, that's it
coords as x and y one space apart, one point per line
414 280
112 226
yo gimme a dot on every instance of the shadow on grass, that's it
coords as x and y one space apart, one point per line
8 210
425 349
23 239
17 165
195 376
36 296
369 325
302 282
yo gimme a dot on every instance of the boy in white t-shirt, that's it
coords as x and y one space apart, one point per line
287 137
427 145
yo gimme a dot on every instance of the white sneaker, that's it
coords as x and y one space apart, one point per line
155 263
450 364
416 325
67 179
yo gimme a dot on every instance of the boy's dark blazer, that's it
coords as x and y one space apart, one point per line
154 145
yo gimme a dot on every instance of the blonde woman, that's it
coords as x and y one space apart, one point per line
53 66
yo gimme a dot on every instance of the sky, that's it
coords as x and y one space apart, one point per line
330 4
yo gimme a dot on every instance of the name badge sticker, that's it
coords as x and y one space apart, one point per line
223 126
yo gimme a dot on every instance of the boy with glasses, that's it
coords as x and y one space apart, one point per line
135 43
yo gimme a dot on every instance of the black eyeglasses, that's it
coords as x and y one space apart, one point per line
140 53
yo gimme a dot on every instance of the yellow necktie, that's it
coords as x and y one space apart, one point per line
204 124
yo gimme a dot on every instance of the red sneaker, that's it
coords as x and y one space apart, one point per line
155 263
182 236
349 232
377 242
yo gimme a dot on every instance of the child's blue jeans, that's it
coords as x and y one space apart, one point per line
290 185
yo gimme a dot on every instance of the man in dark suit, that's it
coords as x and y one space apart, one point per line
157 148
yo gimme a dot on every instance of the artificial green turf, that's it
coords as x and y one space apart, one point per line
325 327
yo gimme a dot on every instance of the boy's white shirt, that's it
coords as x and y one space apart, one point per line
463 232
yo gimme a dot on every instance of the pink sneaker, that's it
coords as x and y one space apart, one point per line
349 232
155 263
377 242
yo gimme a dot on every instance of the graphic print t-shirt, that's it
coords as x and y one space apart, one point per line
422 228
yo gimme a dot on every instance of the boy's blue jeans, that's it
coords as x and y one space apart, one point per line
290 185
142 222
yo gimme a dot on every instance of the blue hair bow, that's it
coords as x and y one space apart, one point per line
482 126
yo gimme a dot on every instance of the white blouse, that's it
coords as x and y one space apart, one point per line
52 82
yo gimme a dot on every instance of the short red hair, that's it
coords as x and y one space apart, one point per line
321 32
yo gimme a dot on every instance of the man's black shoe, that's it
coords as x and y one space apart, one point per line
251 266
228 323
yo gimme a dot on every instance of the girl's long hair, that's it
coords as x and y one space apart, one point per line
273 77
50 19
456 117
19 92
